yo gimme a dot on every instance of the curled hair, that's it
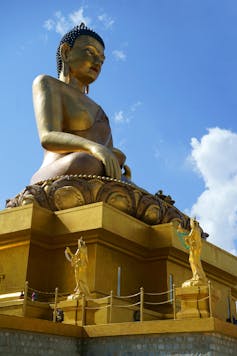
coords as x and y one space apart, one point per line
71 36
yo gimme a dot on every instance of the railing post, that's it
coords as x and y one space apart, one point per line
55 305
25 299
141 303
210 303
83 311
174 301
111 307
230 305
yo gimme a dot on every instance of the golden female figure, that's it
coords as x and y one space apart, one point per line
79 262
194 241
74 131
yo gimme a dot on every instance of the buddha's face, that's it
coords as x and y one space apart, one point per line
85 59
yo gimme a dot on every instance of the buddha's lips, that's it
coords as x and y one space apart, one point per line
95 69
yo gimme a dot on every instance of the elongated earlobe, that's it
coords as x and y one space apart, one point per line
66 72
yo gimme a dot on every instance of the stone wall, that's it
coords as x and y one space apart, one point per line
28 343
152 345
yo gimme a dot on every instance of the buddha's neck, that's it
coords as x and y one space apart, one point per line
74 83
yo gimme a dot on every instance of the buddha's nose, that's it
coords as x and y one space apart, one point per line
97 61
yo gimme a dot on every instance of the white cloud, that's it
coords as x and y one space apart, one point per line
122 144
49 24
61 24
78 16
119 55
120 117
106 20
214 157
134 106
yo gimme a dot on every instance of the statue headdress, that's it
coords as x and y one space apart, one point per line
71 36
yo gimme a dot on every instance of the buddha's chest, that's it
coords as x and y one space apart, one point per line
79 113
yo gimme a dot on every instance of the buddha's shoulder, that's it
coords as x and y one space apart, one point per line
44 80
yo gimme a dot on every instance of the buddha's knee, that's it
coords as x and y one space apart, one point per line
83 162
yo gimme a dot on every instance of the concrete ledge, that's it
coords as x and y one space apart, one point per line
209 325
39 326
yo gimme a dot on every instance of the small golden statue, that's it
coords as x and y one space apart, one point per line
194 242
79 262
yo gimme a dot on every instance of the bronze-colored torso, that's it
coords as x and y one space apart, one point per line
82 116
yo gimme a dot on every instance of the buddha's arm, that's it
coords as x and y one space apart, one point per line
120 156
49 115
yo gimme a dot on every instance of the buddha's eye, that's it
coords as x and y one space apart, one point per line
90 52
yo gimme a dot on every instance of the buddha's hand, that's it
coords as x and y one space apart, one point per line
109 160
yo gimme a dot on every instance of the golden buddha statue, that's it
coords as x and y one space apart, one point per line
80 164
74 131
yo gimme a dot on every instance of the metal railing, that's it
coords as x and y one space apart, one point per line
108 302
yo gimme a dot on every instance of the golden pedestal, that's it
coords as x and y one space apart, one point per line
197 301
72 310
33 240
97 312
194 302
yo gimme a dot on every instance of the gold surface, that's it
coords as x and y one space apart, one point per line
76 137
194 242
210 325
74 131
40 326
147 255
194 302
100 312
79 262
70 191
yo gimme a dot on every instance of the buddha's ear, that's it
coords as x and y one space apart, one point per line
64 51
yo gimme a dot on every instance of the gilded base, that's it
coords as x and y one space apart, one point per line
76 190
98 312
195 302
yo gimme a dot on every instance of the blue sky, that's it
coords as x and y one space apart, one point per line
168 85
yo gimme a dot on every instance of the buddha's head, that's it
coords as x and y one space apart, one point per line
80 55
